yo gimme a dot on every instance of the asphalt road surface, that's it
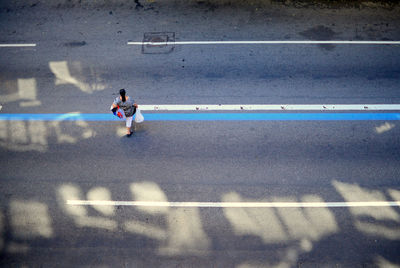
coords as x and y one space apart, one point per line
198 193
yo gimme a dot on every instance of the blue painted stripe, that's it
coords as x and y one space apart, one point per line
208 116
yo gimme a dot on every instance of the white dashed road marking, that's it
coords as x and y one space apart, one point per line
234 204
17 45
271 107
264 42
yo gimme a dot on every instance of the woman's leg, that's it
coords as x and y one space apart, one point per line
129 125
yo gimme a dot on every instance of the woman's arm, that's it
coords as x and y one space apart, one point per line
114 108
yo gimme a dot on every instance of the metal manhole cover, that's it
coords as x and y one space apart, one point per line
158 43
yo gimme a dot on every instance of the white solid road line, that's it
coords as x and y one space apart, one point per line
17 45
234 204
271 107
264 42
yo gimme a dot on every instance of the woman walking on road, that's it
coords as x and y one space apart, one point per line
129 106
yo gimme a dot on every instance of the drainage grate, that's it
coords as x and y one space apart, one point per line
158 43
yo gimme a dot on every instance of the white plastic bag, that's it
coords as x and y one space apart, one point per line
138 116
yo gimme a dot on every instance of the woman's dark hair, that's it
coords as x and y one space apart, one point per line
122 92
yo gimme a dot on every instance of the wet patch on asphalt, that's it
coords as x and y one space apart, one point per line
75 44
320 33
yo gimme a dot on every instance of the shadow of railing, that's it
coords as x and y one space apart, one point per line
35 135
258 236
